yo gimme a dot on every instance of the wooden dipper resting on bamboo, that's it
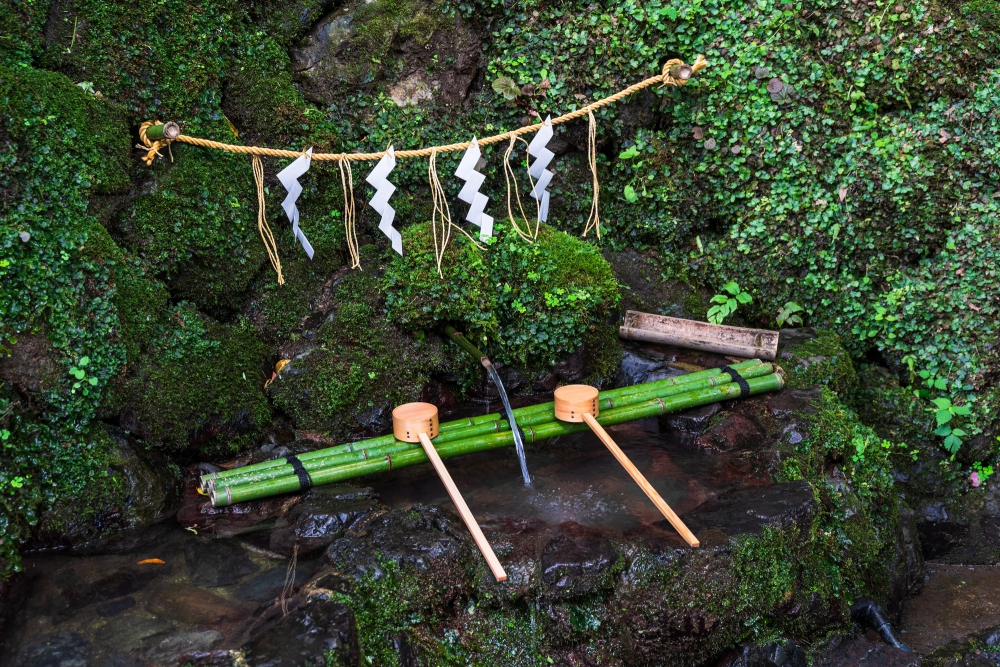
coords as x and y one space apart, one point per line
418 422
579 403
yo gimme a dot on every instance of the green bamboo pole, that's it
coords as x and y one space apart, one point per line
609 399
365 453
222 497
464 343
169 130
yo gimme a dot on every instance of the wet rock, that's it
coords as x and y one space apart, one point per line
430 539
978 649
352 45
32 364
748 511
115 585
641 271
866 650
60 649
198 513
574 560
168 650
181 603
318 632
734 432
694 420
956 600
791 402
634 369
213 563
323 515
209 659
769 655
269 585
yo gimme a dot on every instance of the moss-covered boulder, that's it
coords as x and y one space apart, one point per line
201 385
350 372
530 303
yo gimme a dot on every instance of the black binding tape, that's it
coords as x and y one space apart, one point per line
738 379
305 481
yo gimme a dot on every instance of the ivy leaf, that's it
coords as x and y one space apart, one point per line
629 153
507 87
630 194
77 373
84 361
92 381
732 287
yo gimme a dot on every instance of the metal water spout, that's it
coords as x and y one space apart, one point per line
491 371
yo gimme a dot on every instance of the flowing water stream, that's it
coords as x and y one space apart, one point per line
515 429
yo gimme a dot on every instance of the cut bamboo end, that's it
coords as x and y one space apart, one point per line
573 401
169 131
411 419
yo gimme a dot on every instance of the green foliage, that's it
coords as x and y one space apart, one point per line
726 304
789 314
360 363
535 301
58 144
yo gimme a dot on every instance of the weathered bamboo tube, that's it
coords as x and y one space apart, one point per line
464 343
418 422
224 496
721 338
169 131
375 447
576 403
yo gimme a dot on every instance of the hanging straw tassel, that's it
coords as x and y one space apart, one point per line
594 220
441 210
265 230
508 172
350 228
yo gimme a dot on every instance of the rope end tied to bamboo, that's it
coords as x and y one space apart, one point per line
154 135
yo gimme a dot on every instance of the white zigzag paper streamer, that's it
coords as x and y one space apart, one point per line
380 202
538 169
289 177
470 191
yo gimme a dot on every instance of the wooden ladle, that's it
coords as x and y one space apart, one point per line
418 422
579 403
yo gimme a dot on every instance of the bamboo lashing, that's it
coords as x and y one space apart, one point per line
674 73
579 403
418 422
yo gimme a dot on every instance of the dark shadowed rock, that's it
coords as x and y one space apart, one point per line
790 402
60 649
318 632
694 420
168 650
32 364
748 511
430 539
865 650
574 560
634 369
217 562
769 655
735 431
322 516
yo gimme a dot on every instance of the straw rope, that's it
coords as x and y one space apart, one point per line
441 210
350 228
265 230
664 79
508 173
594 219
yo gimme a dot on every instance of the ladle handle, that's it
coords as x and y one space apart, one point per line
660 503
463 509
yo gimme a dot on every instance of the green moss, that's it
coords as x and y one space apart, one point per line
22 26
201 384
603 352
198 228
543 296
360 363
821 360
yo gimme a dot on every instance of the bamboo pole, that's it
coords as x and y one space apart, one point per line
609 399
340 455
229 495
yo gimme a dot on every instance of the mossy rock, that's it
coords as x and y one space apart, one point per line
816 357
357 368
543 296
198 228
199 387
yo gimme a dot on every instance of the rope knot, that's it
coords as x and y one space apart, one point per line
164 133
677 73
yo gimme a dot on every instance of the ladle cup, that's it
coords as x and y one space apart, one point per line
418 422
579 403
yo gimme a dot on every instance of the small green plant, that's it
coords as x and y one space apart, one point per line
81 377
980 473
944 412
726 304
789 314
